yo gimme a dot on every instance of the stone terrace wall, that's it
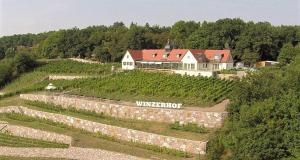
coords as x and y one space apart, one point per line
66 153
35 134
206 119
196 147
59 77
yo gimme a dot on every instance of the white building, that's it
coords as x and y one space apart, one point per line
182 61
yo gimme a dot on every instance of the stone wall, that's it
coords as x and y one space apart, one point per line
61 77
206 119
35 133
196 147
66 153
84 61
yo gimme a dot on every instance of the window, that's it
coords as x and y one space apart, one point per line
185 66
204 65
127 56
216 66
124 63
130 63
178 55
192 66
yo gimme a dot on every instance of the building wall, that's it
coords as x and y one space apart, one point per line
189 59
226 66
206 119
128 59
191 146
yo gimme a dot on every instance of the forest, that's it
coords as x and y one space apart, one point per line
248 41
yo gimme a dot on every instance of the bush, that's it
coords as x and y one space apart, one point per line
23 62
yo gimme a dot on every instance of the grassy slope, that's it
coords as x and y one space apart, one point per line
14 141
35 80
87 140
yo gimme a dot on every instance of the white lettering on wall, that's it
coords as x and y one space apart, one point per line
158 104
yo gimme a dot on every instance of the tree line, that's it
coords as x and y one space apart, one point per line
264 113
248 41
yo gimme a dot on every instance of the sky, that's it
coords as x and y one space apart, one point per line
35 16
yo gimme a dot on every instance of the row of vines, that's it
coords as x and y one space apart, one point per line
73 67
137 85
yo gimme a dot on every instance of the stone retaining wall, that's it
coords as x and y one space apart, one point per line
196 147
85 61
58 77
206 119
68 153
35 134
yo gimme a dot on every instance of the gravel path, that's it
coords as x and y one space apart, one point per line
69 153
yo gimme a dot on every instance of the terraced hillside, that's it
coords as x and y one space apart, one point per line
124 86
90 140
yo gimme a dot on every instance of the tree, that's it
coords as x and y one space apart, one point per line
102 54
2 53
23 62
10 52
136 37
263 120
287 54
180 32
250 58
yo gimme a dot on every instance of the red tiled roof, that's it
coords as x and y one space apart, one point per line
210 54
136 54
157 55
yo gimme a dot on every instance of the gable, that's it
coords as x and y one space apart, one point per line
127 57
189 58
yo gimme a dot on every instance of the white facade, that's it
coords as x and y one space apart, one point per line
188 65
128 62
189 62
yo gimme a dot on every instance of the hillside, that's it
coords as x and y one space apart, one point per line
127 86
101 82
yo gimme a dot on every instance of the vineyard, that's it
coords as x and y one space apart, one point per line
137 85
14 141
28 81
72 67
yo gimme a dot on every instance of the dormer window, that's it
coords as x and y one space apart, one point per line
154 55
218 57
165 55
178 55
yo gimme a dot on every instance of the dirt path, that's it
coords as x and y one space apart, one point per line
69 153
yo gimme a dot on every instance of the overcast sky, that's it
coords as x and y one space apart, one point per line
33 16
